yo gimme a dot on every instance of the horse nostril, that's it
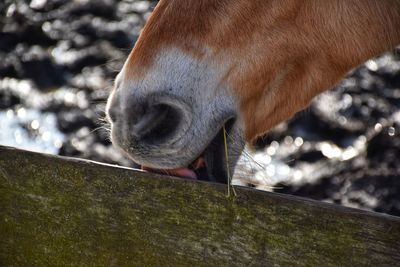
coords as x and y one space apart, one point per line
156 123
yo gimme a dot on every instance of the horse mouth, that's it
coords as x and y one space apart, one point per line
210 165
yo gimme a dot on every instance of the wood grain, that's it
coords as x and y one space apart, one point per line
58 211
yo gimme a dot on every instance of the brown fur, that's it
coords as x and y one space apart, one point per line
282 52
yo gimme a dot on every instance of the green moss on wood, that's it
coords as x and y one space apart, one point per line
63 212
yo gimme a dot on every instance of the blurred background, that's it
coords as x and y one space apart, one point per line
58 59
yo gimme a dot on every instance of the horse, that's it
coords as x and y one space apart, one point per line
204 70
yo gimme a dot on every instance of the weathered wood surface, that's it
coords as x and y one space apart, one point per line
64 212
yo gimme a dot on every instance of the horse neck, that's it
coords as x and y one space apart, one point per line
313 49
354 30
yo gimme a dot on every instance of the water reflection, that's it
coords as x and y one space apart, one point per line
270 167
30 129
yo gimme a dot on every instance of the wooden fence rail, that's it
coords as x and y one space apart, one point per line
58 211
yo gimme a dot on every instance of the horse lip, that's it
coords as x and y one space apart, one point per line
214 165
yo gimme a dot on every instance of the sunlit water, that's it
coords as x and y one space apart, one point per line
269 167
25 126
31 130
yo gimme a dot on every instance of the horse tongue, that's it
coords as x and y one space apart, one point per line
181 172
184 173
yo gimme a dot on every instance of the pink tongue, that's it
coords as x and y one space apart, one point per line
185 173
181 172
